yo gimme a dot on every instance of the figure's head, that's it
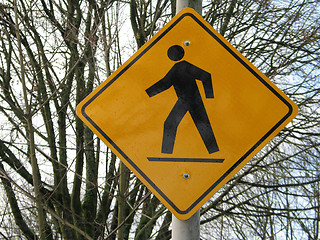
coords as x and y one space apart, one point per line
175 53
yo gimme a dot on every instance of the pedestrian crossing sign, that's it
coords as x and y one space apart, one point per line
186 112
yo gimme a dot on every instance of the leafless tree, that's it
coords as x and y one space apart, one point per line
61 182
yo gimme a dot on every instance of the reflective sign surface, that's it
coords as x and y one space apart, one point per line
186 112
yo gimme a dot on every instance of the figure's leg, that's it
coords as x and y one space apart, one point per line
171 125
201 120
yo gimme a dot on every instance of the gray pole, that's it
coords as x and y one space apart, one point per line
188 229
195 4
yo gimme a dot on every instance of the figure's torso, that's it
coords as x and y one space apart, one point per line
184 81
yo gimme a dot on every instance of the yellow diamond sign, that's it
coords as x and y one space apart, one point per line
186 112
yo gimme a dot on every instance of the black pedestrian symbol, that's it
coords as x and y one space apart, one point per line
182 76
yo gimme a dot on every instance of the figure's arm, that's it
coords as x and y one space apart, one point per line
207 85
205 77
160 86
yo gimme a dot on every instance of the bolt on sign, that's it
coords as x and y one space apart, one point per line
186 112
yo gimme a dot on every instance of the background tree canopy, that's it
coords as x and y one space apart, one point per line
60 182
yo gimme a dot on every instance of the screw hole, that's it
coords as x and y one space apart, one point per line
187 43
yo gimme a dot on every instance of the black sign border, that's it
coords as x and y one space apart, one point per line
237 163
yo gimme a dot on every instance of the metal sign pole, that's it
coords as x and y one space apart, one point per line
188 229
195 4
